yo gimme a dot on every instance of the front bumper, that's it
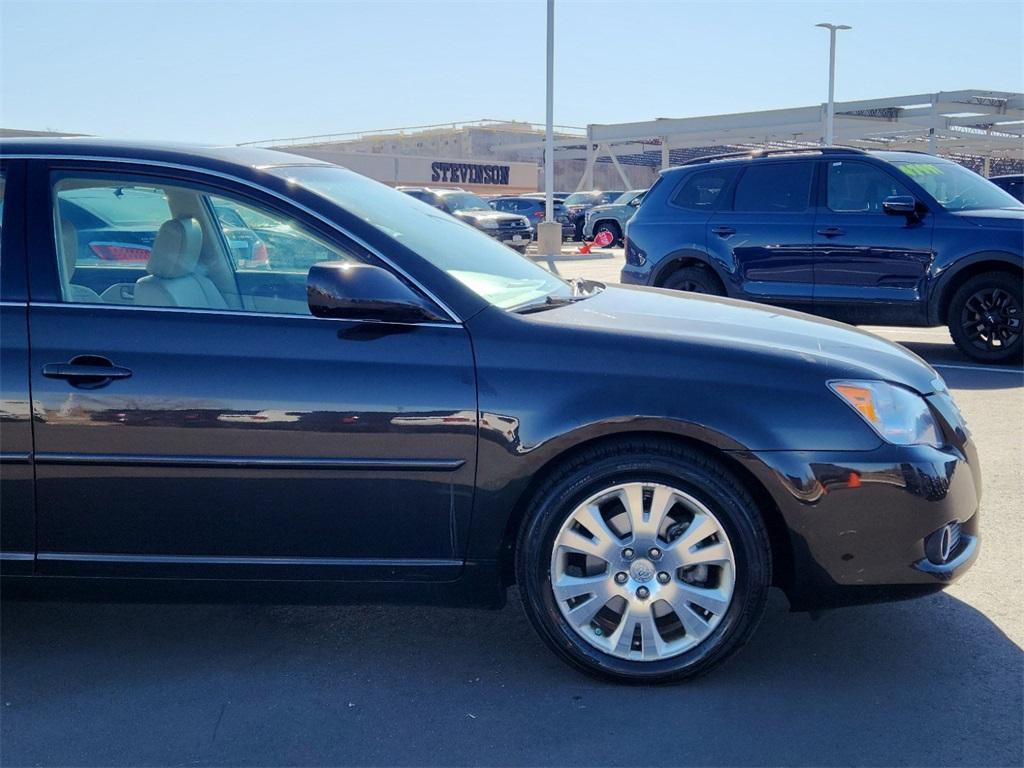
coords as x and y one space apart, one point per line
515 236
857 521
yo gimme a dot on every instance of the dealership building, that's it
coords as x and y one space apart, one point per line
983 130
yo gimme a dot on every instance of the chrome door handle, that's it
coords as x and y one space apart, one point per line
724 231
86 371
831 231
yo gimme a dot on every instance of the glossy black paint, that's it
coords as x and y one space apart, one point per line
309 451
858 267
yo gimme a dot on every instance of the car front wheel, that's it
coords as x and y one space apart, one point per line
985 318
644 561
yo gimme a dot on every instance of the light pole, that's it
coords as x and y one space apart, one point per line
830 118
549 231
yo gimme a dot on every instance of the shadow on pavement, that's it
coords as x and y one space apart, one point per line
920 683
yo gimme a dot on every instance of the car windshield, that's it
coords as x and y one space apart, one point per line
582 198
497 273
955 187
465 201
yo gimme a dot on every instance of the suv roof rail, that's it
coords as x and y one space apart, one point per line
755 153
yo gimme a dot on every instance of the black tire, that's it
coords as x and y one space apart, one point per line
613 228
985 318
644 460
695 279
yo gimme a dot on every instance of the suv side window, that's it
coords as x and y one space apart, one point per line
858 187
773 187
701 190
165 244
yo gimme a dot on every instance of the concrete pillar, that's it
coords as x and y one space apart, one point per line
664 153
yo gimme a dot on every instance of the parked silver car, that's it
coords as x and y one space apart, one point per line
613 216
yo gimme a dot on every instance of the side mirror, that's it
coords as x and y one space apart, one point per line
348 291
900 205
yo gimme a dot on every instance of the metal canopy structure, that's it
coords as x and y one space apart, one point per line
980 125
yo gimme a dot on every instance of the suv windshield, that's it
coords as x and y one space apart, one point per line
955 187
464 201
485 266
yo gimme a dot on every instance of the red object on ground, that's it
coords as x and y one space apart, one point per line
603 239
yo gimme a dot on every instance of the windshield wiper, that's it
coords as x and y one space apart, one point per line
581 289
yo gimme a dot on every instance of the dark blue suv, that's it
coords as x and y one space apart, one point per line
899 238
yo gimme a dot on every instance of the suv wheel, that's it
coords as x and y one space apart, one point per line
695 279
613 229
985 318
643 561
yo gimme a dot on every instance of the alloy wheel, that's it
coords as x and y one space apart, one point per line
991 319
642 571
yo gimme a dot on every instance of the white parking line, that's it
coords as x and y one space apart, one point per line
983 368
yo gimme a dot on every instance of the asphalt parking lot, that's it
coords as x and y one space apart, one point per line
936 681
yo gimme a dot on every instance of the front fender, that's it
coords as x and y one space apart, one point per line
946 276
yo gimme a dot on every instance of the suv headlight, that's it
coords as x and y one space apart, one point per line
488 223
899 415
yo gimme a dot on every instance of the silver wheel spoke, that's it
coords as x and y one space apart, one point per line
709 599
581 615
568 587
694 625
713 554
590 518
701 527
577 542
632 498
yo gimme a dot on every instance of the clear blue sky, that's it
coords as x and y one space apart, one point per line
233 71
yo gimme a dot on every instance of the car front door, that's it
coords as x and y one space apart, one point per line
869 266
206 423
764 239
17 506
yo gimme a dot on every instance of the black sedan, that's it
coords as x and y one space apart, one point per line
423 414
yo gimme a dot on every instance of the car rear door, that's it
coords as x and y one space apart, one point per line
17 504
232 433
868 266
764 239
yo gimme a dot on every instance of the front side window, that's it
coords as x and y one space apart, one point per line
774 188
701 190
954 187
495 272
156 244
855 187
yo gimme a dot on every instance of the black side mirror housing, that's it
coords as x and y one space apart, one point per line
901 205
352 291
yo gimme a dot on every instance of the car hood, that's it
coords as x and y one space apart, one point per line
1003 218
837 349
606 208
482 215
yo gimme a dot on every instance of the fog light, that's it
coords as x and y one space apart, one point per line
940 546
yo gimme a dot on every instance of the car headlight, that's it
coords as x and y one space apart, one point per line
488 223
523 221
899 415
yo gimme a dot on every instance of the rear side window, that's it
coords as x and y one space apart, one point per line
774 188
701 190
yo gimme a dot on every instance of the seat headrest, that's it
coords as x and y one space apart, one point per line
176 248
69 248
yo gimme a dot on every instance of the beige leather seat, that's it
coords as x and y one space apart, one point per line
174 279
69 248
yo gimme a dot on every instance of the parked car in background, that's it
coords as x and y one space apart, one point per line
1012 183
533 209
612 217
511 229
895 238
424 415
110 225
578 203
